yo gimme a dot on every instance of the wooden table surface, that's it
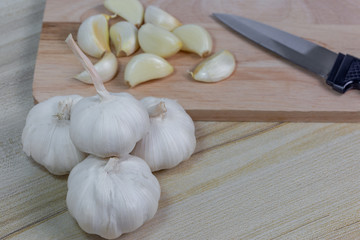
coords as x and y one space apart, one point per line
264 180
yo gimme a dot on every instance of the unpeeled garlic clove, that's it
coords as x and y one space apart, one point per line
130 10
107 68
145 67
123 37
156 40
93 35
215 68
160 18
195 39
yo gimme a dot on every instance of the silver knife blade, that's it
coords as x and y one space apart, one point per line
304 53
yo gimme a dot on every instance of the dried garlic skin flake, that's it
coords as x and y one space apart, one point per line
215 68
93 35
156 40
145 67
195 39
131 10
161 18
107 68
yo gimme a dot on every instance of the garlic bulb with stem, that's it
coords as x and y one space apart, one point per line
156 40
107 68
145 67
160 18
195 39
215 68
93 35
108 124
46 136
124 38
130 10
109 197
171 137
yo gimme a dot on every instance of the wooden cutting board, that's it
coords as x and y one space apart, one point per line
263 87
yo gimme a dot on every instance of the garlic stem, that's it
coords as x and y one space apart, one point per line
64 108
98 83
157 110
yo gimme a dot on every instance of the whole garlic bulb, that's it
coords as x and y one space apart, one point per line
107 124
46 135
171 137
112 197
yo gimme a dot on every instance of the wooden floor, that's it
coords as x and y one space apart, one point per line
269 180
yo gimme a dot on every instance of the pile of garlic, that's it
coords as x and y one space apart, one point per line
159 35
111 143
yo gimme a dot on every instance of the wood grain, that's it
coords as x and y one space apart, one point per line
263 88
262 180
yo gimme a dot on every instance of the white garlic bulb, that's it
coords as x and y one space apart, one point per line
112 197
171 137
46 135
107 124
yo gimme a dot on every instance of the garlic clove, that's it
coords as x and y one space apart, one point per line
171 136
160 18
130 10
123 37
93 35
215 68
110 197
156 40
145 67
195 39
46 137
107 68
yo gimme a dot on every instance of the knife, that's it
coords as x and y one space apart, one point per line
341 71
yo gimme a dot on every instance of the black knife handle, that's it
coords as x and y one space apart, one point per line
345 73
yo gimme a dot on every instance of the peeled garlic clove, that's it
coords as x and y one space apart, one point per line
107 68
160 18
123 37
158 41
109 197
46 136
93 35
195 39
130 10
215 68
171 136
145 67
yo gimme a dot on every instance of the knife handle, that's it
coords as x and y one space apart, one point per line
345 73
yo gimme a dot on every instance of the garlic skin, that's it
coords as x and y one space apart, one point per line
156 40
46 136
107 68
161 18
145 67
93 35
171 137
215 68
112 197
123 37
195 39
130 10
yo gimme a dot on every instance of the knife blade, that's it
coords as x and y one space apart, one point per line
341 71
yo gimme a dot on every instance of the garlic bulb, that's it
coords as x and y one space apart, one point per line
195 39
171 137
215 68
156 40
107 124
107 68
123 37
130 10
112 197
46 135
145 67
93 35
160 18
